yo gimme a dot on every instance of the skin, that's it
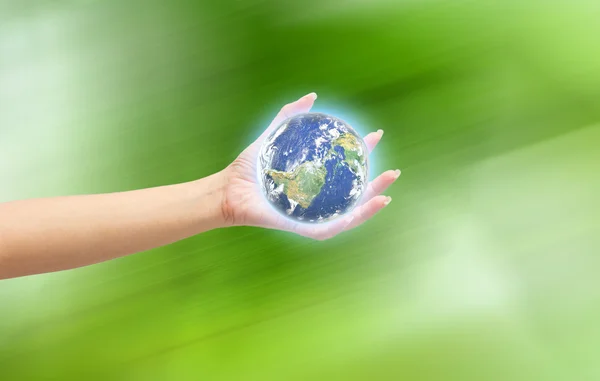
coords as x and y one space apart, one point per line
46 235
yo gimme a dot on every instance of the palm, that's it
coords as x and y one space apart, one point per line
243 195
245 204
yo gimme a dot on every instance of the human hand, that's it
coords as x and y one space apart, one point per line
107 226
245 204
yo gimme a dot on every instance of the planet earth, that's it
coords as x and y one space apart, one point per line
313 167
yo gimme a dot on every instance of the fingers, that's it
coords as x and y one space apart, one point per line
300 106
380 184
324 231
368 210
372 139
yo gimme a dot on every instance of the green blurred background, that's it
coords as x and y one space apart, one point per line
485 266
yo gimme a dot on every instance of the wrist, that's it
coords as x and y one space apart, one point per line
222 201
209 201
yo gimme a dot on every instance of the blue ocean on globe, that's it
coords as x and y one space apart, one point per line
313 167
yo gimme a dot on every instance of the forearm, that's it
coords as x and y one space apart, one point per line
45 235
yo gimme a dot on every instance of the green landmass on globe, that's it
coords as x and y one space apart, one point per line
303 184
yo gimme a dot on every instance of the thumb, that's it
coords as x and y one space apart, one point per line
300 106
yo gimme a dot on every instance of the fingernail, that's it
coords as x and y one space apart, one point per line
397 173
380 132
387 201
349 220
313 95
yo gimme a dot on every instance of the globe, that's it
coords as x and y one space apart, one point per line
313 167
